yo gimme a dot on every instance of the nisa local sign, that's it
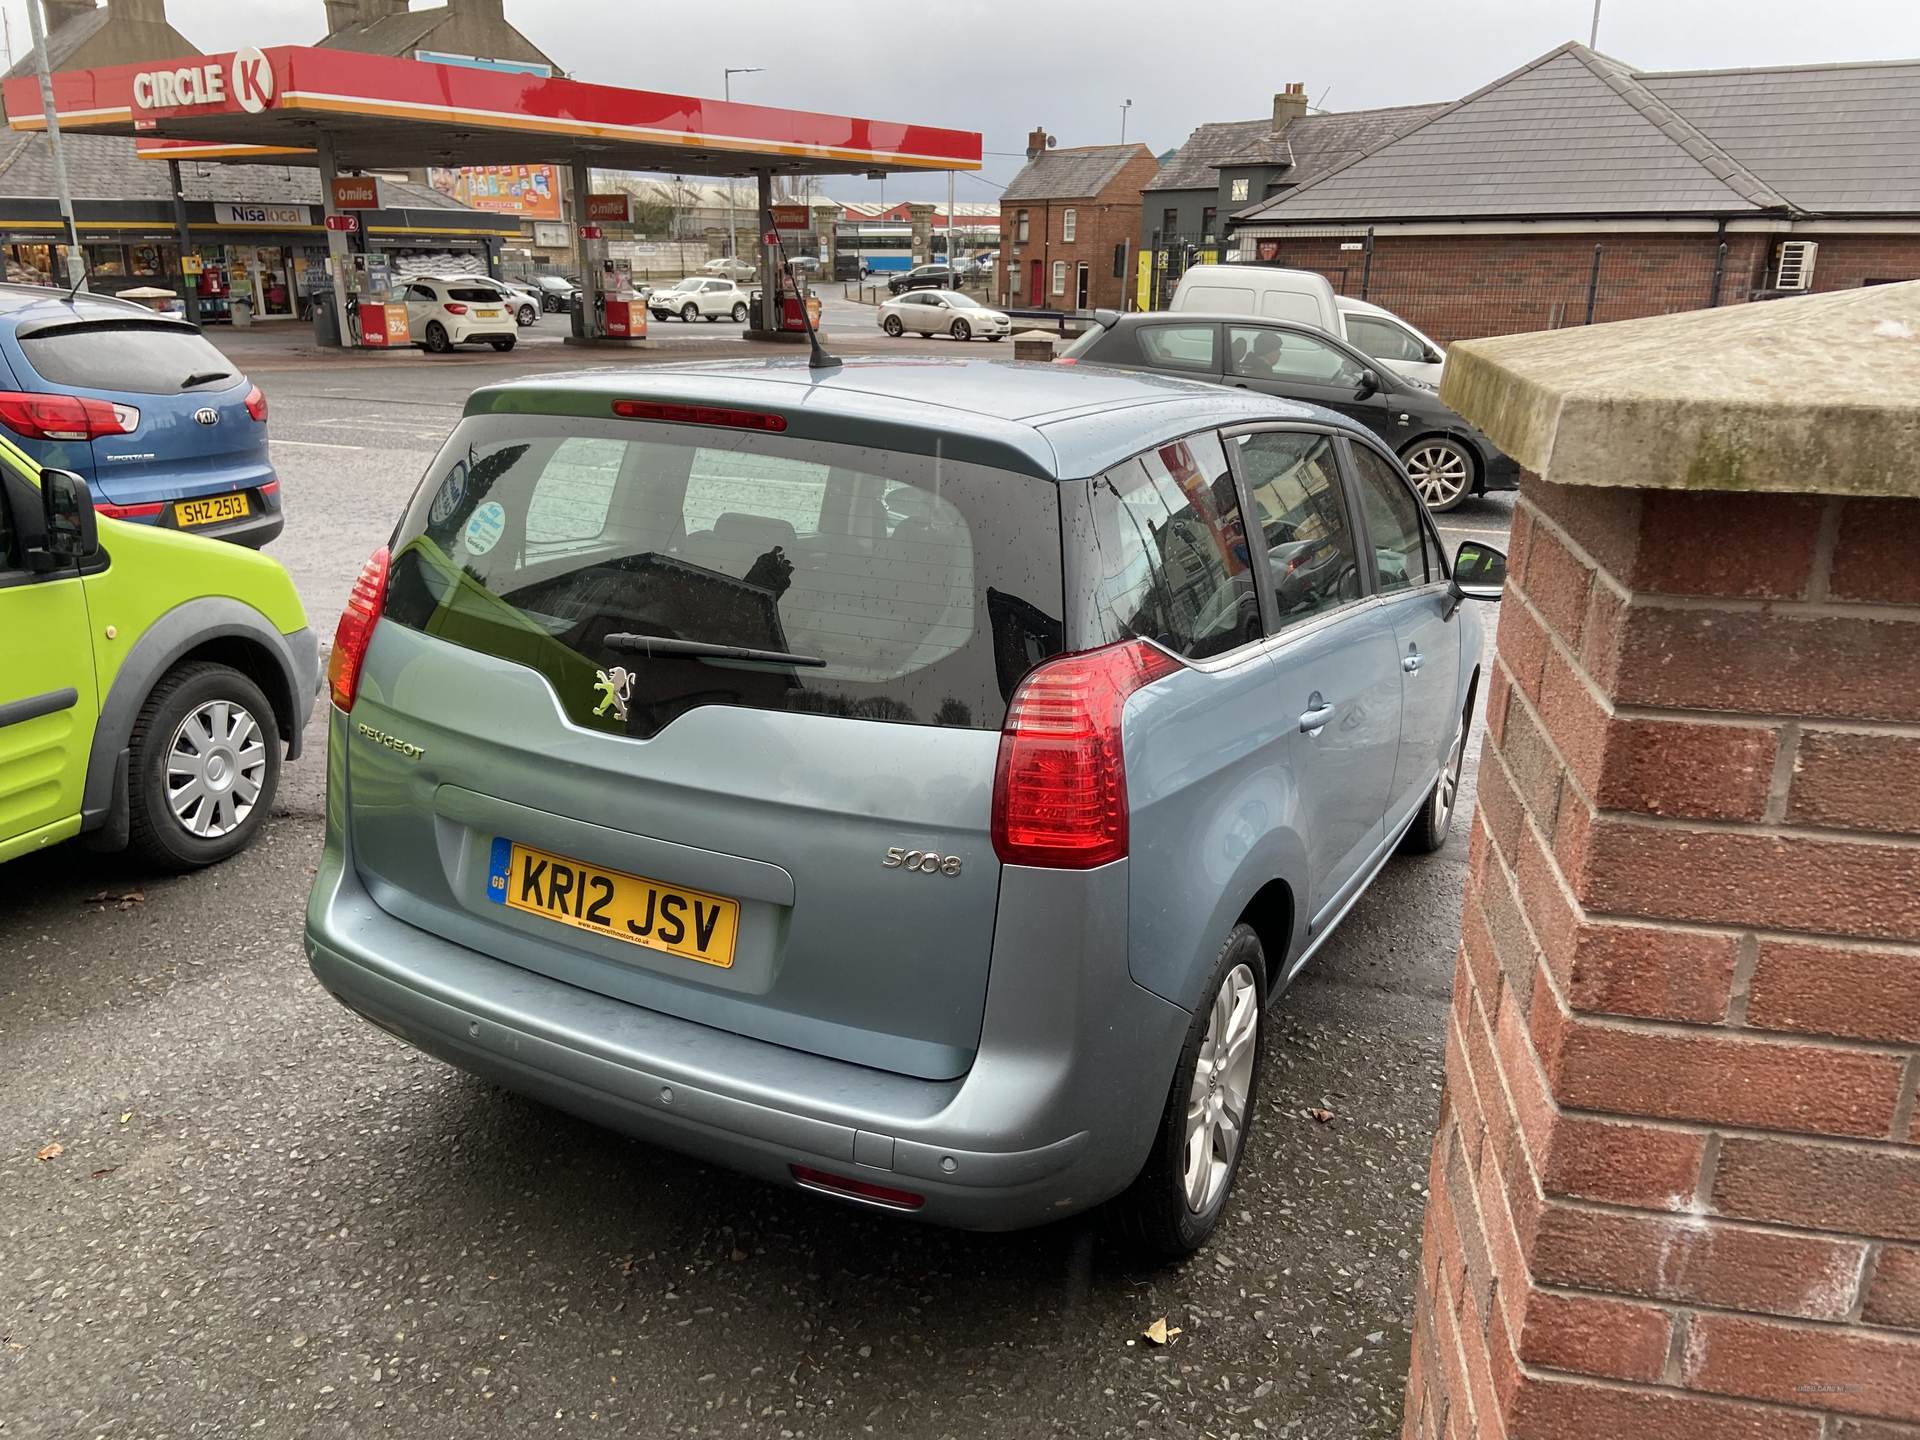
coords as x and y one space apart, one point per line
244 78
225 213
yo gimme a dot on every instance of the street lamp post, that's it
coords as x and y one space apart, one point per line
1125 105
726 87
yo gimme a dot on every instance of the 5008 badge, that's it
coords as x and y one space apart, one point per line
926 862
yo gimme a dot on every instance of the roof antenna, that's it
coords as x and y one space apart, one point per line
86 271
817 358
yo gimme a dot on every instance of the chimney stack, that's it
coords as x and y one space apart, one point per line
59 12
344 13
1036 142
1289 105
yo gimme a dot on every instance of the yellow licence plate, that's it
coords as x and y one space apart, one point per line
489 314
211 510
689 923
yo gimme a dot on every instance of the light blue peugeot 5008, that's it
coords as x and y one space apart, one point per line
907 781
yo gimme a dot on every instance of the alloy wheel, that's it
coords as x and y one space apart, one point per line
962 330
1449 787
216 764
1441 471
1217 1100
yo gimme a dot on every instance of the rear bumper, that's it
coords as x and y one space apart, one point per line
1055 1114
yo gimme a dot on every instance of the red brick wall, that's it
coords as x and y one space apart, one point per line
1675 1193
1100 223
1457 288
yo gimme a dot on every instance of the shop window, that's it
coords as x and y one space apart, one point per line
106 260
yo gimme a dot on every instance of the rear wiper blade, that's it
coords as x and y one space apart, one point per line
659 647
201 377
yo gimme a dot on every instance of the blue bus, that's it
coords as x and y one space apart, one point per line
865 247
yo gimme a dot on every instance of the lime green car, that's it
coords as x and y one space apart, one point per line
150 681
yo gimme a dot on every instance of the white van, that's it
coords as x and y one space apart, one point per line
1308 298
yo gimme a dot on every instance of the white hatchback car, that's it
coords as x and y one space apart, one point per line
445 311
699 295
943 312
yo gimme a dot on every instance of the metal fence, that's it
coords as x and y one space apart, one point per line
1456 289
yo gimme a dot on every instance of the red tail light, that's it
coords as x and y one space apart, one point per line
364 603
257 405
886 1195
64 417
1060 791
699 415
130 512
1066 359
454 308
272 487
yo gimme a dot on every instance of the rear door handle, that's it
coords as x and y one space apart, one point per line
1412 663
1312 720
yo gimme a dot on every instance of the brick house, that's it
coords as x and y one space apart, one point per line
1068 223
1578 189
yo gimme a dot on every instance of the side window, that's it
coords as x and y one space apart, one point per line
1188 347
1393 522
1383 340
1069 224
570 499
1059 277
1270 353
1167 554
1294 481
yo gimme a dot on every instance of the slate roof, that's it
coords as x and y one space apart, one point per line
1072 174
390 34
1839 139
105 167
1312 144
1578 133
63 42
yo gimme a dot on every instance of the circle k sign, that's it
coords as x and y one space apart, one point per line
252 80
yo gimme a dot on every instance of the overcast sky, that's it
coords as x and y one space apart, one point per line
998 67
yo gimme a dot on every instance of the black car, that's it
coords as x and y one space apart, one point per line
556 292
925 277
1447 458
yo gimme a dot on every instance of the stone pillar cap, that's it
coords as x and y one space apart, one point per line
1816 393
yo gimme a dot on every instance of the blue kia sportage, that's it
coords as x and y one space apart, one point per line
161 426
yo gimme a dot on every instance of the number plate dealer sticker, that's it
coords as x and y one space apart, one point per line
688 923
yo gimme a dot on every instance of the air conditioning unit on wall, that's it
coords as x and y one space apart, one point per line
1793 269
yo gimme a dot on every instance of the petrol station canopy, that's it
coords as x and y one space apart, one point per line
380 113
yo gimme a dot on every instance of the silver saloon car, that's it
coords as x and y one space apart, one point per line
908 782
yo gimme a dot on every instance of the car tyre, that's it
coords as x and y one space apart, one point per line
209 726
995 338
739 313
1175 1203
962 330
527 314
504 343
1430 828
437 341
689 313
893 326
1442 471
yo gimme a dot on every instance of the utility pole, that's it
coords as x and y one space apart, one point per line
951 255
76 261
726 88
1125 105
1593 38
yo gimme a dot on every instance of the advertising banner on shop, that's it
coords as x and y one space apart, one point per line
531 192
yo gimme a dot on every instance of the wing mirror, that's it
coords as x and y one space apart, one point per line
72 531
1479 573
1369 384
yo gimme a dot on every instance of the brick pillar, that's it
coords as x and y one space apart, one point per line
1676 1186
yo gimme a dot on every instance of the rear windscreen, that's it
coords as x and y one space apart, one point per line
896 587
127 355
476 295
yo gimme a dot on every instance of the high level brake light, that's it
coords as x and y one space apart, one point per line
699 415
365 603
1060 788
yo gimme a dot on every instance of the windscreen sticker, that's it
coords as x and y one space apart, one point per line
447 498
485 528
